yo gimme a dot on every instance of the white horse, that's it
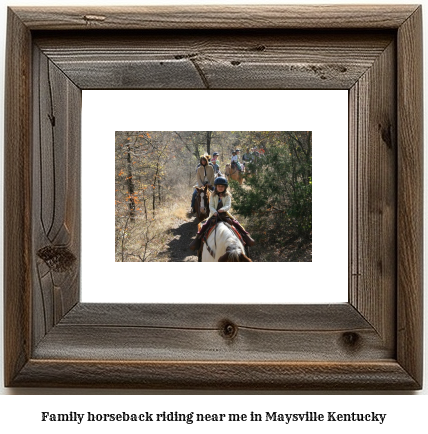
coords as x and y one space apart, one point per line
224 245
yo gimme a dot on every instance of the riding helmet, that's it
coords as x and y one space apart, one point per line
221 181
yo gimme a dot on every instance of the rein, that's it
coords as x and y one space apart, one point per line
210 250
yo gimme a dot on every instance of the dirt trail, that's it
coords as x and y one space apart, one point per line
177 248
185 228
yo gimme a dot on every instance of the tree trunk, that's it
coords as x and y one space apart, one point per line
309 156
130 184
209 137
145 205
123 239
154 188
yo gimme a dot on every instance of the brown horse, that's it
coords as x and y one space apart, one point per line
202 203
234 173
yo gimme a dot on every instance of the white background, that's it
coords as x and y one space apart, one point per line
325 113
406 413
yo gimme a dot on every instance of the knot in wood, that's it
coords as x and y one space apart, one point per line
228 330
386 134
351 340
58 259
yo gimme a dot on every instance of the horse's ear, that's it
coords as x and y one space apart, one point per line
224 258
244 258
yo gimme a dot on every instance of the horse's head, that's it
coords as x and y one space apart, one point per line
234 254
227 170
203 197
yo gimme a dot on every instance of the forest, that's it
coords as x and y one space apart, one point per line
155 175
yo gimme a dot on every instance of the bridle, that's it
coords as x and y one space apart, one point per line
199 199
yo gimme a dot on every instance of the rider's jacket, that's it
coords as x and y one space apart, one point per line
227 202
204 175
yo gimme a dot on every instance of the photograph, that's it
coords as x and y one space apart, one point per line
213 196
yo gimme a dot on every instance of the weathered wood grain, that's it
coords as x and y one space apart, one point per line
199 332
410 196
216 59
386 375
17 197
137 343
216 17
56 194
373 175
210 316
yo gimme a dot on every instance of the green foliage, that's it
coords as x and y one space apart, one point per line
278 191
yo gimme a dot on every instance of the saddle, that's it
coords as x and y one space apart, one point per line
208 233
214 223
235 166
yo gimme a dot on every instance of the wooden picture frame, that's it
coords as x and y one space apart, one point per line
372 342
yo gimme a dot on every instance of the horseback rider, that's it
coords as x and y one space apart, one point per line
235 159
255 153
220 203
247 158
215 164
204 175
